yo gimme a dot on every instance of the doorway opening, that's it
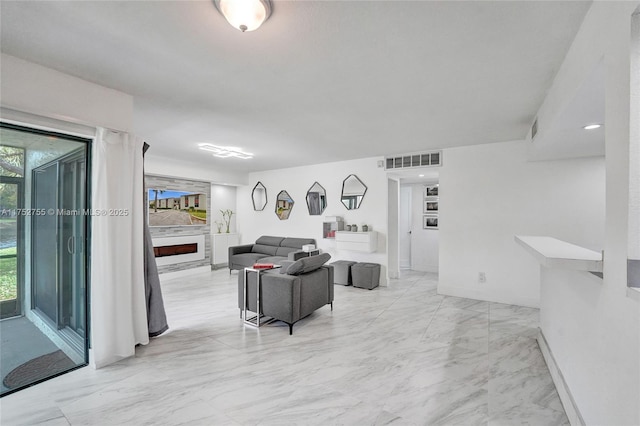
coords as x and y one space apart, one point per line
418 223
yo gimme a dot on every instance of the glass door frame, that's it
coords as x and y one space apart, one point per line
13 308
69 330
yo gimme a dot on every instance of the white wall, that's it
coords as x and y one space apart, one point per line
32 88
297 181
490 193
593 330
573 306
44 92
424 242
170 167
634 151
405 225
393 228
223 197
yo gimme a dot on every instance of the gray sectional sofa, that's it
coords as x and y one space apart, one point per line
267 249
292 292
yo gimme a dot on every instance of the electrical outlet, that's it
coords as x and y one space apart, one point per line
482 277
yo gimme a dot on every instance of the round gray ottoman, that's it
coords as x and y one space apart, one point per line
365 275
342 272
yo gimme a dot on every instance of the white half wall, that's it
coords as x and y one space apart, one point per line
593 330
297 181
490 193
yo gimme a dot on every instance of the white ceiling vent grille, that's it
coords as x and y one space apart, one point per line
425 159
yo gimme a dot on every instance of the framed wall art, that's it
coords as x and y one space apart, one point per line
430 221
430 206
431 190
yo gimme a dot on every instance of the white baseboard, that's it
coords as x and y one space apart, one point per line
468 293
426 268
569 404
185 272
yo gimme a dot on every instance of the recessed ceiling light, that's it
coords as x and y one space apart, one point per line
592 126
225 151
420 175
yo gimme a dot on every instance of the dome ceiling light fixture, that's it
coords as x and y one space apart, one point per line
245 15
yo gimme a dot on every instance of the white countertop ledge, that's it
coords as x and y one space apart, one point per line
554 253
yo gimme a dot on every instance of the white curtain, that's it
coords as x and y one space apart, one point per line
118 307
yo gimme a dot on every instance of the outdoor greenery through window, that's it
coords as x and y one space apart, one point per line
12 167
11 161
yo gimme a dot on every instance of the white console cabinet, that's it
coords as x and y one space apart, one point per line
220 249
357 241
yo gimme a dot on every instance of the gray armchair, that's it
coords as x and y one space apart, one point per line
292 293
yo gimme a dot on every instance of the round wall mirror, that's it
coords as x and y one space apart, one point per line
284 204
316 199
259 197
353 191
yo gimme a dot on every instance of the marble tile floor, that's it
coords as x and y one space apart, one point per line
400 354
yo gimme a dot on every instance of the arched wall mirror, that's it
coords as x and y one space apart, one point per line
259 197
316 199
284 205
353 191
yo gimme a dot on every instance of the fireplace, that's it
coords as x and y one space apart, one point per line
176 249
171 250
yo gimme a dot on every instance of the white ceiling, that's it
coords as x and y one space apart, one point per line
565 136
319 81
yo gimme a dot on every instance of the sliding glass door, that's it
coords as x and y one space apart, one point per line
44 260
44 242
59 244
73 176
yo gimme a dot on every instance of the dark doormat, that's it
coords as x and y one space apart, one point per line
38 368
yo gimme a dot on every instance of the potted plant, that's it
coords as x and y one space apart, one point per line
226 216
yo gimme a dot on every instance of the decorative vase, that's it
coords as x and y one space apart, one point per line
354 228
348 227
365 228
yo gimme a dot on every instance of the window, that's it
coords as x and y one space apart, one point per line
11 161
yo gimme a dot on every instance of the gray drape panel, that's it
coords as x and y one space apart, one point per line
156 316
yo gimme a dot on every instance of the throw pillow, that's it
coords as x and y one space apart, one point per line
308 264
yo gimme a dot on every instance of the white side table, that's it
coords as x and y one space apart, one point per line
254 321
